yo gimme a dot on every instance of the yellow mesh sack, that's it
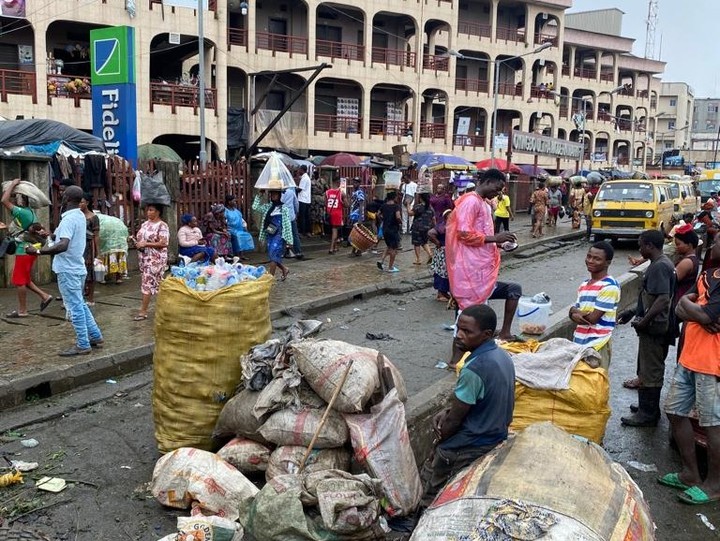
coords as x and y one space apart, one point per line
199 338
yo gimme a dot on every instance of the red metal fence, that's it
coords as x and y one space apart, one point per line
17 82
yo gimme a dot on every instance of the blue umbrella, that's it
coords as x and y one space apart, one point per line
533 171
435 161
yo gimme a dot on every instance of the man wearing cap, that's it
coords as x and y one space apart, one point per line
69 266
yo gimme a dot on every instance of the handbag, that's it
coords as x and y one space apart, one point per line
271 229
7 247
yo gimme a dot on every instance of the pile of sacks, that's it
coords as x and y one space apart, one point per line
359 468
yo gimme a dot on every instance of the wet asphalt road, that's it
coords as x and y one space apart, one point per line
103 434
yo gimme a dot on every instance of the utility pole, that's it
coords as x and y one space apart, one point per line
201 82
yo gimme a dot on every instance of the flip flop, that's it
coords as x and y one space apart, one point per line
672 480
284 276
44 304
696 496
140 317
15 315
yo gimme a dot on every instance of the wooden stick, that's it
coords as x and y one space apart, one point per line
333 398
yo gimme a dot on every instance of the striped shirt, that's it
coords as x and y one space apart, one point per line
604 295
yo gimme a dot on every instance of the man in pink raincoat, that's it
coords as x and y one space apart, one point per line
473 255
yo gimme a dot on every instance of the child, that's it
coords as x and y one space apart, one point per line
391 220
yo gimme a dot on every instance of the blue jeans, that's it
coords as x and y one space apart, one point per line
71 290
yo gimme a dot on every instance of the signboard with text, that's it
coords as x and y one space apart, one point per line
531 143
114 100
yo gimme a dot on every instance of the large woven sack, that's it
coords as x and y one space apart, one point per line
286 427
246 455
199 337
381 444
322 364
190 475
286 460
583 409
589 496
277 396
237 418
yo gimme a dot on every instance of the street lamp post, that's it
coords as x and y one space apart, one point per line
201 81
496 84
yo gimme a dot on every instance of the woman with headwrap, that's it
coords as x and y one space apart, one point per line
242 241
275 228
191 242
216 231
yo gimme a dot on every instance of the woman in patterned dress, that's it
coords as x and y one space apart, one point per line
275 229
151 241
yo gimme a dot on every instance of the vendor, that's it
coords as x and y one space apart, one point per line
481 407
191 242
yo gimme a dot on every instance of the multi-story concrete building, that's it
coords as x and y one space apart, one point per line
414 72
705 134
674 118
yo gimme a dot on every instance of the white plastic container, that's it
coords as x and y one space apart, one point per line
533 317
392 179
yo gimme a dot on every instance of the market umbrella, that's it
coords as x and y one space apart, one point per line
341 159
436 161
498 163
532 171
567 173
153 151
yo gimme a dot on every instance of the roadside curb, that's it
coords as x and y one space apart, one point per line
98 367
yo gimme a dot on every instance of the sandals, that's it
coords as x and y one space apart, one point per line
44 304
696 496
140 317
416 263
672 480
16 315
284 275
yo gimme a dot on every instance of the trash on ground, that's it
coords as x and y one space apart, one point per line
558 473
51 484
356 309
12 478
442 365
126 467
19 465
111 381
642 467
705 521
344 327
32 442
378 336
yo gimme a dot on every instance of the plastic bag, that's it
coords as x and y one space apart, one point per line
136 191
190 475
153 190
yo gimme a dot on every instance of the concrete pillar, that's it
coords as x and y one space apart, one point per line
368 37
32 169
311 33
251 22
40 52
171 177
366 100
494 19
310 97
572 62
598 60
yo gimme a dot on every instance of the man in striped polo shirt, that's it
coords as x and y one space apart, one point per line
596 305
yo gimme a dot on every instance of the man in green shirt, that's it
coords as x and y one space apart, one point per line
23 218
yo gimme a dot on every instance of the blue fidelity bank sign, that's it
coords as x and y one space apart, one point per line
114 103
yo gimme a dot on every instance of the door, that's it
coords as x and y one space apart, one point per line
278 34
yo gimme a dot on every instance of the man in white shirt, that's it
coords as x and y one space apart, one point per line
305 199
408 190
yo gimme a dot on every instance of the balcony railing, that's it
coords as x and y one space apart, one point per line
566 71
180 96
564 111
212 4
282 43
623 124
642 94
77 98
17 82
589 114
653 103
384 127
627 91
541 93
472 28
335 49
506 33
546 38
433 130
237 36
585 73
607 75
510 89
474 141
393 57
337 124
436 62
472 85
604 116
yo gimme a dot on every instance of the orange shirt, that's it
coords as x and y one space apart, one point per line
701 350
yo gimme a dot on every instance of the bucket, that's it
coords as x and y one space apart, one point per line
533 317
392 180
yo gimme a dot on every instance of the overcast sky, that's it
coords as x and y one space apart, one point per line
688 31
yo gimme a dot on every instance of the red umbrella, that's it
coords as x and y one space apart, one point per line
342 159
498 163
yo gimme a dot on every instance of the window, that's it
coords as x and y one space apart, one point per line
673 102
275 101
668 145
712 108
671 125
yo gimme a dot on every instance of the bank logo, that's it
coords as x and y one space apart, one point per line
106 60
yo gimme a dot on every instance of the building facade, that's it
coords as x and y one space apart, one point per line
705 129
674 118
413 72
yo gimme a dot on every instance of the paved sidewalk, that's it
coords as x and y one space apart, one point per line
29 365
